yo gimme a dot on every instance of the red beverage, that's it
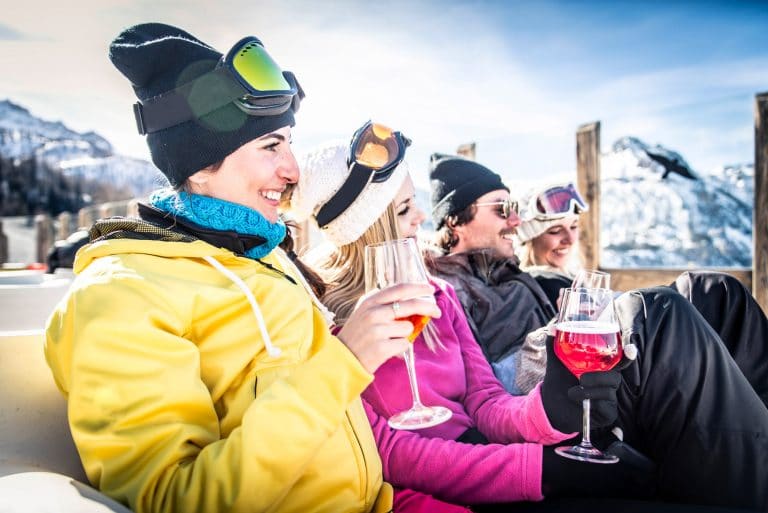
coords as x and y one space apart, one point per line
588 346
418 321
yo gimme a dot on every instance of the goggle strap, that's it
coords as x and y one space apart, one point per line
174 107
345 196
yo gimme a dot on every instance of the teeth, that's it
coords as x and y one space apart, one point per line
272 195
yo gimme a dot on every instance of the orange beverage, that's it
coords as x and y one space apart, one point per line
418 321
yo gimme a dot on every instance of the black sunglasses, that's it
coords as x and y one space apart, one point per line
508 207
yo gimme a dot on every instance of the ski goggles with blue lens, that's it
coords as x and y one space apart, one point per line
246 76
554 202
375 151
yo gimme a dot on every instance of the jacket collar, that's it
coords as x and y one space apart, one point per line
236 242
486 264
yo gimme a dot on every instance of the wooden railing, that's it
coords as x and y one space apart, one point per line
49 229
588 181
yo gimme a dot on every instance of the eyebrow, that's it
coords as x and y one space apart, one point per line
273 135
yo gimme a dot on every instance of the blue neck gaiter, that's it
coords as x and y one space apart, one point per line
221 215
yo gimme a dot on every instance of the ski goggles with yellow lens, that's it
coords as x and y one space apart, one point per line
555 202
374 153
246 76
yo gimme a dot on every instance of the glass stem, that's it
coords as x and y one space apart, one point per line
409 364
586 407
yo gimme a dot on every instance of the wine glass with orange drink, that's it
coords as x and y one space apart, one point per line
587 339
386 264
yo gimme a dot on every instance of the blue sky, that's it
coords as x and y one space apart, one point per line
517 78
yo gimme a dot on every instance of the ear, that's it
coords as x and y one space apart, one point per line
458 232
199 181
457 229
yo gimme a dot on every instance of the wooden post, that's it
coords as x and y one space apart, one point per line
132 209
3 245
588 183
760 217
65 228
43 236
468 150
85 217
106 210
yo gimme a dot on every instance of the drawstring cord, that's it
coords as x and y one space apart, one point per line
273 351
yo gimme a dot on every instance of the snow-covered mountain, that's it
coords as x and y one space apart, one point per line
50 159
657 211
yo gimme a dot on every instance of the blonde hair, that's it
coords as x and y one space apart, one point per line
343 271
527 258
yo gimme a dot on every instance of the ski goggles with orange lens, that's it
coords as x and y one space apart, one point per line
374 153
555 202
246 76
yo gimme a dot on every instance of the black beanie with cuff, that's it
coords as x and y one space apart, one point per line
157 58
456 183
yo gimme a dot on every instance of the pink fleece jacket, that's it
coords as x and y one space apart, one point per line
459 378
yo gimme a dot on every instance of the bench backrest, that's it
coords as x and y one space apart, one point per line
34 432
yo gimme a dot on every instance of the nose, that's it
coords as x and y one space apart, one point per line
289 168
568 237
513 221
419 216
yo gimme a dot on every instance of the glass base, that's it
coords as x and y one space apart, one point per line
590 454
420 417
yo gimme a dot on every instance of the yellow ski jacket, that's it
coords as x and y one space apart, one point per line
201 381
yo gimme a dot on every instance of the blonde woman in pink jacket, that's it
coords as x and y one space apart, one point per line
492 450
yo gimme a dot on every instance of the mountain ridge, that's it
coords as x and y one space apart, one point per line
47 167
679 217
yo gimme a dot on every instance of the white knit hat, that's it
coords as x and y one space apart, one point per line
532 228
323 172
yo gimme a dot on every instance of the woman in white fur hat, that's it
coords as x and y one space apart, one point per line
549 236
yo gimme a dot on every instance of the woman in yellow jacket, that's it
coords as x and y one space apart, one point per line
199 370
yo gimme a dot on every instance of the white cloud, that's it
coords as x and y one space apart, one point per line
445 73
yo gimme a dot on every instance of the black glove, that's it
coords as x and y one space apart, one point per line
562 394
632 477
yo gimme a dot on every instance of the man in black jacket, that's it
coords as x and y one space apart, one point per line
688 393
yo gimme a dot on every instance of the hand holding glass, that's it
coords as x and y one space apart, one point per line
587 339
389 263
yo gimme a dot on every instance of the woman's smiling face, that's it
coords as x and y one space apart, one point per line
553 247
255 175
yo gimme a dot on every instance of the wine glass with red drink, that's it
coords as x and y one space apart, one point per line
389 263
587 339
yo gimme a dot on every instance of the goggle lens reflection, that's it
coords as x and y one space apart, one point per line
379 148
376 147
560 200
256 67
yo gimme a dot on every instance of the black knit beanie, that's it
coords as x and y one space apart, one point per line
157 58
456 183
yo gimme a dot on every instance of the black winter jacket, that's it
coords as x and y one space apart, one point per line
503 304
